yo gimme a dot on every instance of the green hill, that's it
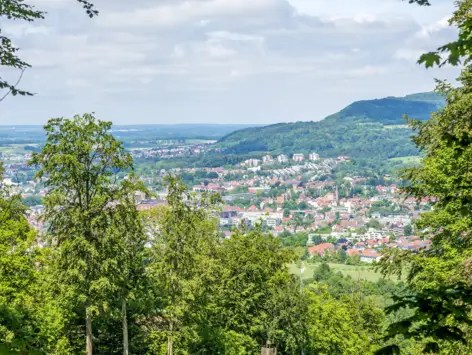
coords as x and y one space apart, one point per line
364 129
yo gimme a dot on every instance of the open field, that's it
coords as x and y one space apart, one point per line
413 159
356 272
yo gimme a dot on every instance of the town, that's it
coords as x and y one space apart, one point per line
295 198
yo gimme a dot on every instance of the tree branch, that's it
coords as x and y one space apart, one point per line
13 86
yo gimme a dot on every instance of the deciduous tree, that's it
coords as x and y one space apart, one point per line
79 162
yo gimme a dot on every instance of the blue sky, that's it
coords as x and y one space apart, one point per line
222 61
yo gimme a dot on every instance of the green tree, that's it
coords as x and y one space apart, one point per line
130 251
183 239
80 160
297 221
439 278
321 272
248 296
356 319
18 254
408 230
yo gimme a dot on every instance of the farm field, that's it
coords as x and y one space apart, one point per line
412 159
356 272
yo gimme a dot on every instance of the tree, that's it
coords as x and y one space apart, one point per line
248 298
373 223
408 230
129 234
81 160
18 10
297 221
356 319
321 272
18 275
183 239
439 278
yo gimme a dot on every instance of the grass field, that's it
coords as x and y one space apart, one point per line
356 272
413 159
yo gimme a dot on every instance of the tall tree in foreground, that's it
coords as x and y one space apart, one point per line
18 275
183 236
80 161
440 278
130 251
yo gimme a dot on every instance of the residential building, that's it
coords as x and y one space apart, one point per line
282 158
298 157
320 249
313 157
267 159
370 255
251 162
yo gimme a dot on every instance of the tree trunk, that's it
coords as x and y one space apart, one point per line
88 331
125 327
169 340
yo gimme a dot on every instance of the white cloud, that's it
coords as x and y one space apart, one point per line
188 11
210 60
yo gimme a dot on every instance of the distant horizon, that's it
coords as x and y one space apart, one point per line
246 124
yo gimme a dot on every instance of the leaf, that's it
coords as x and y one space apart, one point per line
430 59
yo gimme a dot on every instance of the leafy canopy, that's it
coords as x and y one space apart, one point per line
440 294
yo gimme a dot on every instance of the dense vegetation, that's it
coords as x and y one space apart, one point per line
360 131
440 293
110 280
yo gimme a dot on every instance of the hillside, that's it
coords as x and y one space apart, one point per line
364 129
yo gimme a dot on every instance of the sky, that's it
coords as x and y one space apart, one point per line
221 61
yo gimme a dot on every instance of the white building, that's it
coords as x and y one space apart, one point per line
313 156
298 157
282 158
369 256
251 162
267 159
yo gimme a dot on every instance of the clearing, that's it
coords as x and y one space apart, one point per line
412 159
355 271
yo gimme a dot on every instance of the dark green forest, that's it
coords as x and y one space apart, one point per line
365 129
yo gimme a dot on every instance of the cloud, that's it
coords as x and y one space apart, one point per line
171 14
223 60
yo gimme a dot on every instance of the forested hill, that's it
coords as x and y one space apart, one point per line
390 110
364 129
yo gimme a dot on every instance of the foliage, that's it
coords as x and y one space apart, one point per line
293 239
356 319
182 242
357 131
452 53
439 278
84 206
17 276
